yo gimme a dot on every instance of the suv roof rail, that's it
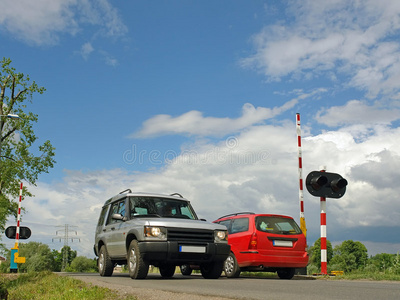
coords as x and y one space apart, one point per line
127 190
239 213
176 194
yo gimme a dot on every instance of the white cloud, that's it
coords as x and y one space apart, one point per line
194 123
331 38
42 22
86 50
357 112
109 59
38 22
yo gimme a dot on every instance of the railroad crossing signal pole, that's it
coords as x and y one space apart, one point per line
15 258
324 254
325 185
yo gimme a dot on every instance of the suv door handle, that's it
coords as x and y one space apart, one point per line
112 228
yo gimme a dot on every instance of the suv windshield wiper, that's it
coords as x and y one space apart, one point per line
148 215
178 216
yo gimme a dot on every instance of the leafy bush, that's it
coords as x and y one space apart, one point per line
82 264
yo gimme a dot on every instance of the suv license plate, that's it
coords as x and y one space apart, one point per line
192 249
280 243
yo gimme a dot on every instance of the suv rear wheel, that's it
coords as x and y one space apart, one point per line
287 273
212 270
186 270
104 263
138 267
231 267
167 271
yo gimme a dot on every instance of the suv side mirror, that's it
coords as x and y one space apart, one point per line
118 217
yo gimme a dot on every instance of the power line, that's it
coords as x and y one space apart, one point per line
66 237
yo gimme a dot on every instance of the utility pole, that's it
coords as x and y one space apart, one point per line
66 239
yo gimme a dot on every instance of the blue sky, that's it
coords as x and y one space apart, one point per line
200 98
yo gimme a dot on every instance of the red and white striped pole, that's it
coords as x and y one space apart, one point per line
301 199
324 256
18 217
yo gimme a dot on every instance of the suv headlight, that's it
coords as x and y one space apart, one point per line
220 236
155 232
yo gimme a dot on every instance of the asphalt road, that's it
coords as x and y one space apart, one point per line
195 287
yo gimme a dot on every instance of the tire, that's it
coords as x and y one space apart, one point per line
231 267
186 270
167 271
212 270
137 266
104 263
287 273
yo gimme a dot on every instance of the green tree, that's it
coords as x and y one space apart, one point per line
382 261
19 160
83 264
396 264
38 257
68 255
57 256
350 255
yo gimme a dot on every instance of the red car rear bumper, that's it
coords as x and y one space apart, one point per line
253 258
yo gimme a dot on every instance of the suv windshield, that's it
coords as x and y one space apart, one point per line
160 207
277 225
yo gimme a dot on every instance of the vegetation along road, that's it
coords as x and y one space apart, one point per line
178 287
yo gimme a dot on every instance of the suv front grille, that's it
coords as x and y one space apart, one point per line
190 235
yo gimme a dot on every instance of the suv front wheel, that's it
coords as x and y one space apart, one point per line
104 263
231 267
212 270
137 266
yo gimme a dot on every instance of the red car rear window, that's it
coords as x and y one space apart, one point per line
278 225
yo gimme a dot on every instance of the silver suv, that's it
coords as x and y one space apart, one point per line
142 229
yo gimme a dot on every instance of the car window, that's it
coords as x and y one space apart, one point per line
116 208
240 225
102 216
227 223
278 225
160 207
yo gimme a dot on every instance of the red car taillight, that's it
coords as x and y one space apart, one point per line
253 241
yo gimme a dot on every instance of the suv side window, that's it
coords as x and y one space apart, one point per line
102 216
240 225
116 208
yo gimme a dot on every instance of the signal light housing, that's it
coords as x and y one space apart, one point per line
24 232
324 184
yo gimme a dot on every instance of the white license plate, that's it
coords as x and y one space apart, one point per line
192 249
280 243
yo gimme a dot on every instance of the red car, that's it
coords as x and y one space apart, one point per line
264 243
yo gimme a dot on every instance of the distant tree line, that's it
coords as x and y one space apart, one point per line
39 257
351 256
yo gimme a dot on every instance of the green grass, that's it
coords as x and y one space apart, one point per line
360 275
260 274
49 286
355 275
